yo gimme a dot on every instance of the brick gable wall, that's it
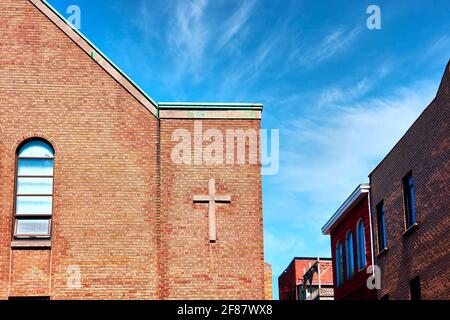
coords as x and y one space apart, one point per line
105 163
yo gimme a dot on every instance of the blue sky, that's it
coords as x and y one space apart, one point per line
341 94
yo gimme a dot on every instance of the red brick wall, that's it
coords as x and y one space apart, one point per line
326 273
424 252
233 267
293 275
355 287
287 283
105 163
107 212
30 273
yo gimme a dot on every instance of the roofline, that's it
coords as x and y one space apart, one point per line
447 67
311 258
302 258
128 84
209 106
98 51
343 209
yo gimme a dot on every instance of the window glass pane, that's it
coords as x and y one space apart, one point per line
362 246
413 212
35 167
339 264
36 149
349 253
34 186
383 229
33 205
32 227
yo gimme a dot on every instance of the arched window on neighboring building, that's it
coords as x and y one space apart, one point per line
361 245
34 189
339 265
349 255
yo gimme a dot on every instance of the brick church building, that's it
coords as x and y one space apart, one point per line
97 198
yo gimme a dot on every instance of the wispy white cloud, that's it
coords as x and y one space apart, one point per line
438 51
282 243
353 91
188 35
235 23
335 94
341 145
196 41
252 66
333 43
146 20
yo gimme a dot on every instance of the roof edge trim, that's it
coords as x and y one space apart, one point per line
96 54
170 109
361 189
209 106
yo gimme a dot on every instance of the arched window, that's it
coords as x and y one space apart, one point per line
361 245
339 265
349 255
34 190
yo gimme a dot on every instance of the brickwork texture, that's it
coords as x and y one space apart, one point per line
123 214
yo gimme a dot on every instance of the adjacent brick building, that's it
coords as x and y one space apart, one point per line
268 288
351 246
410 206
124 219
307 278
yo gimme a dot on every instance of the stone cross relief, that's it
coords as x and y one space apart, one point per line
212 199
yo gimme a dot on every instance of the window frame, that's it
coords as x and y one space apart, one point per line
409 209
361 253
339 252
18 217
349 255
381 227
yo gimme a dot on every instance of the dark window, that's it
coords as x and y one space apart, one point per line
408 193
381 227
414 287
34 190
300 293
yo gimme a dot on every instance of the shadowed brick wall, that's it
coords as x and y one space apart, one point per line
425 250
